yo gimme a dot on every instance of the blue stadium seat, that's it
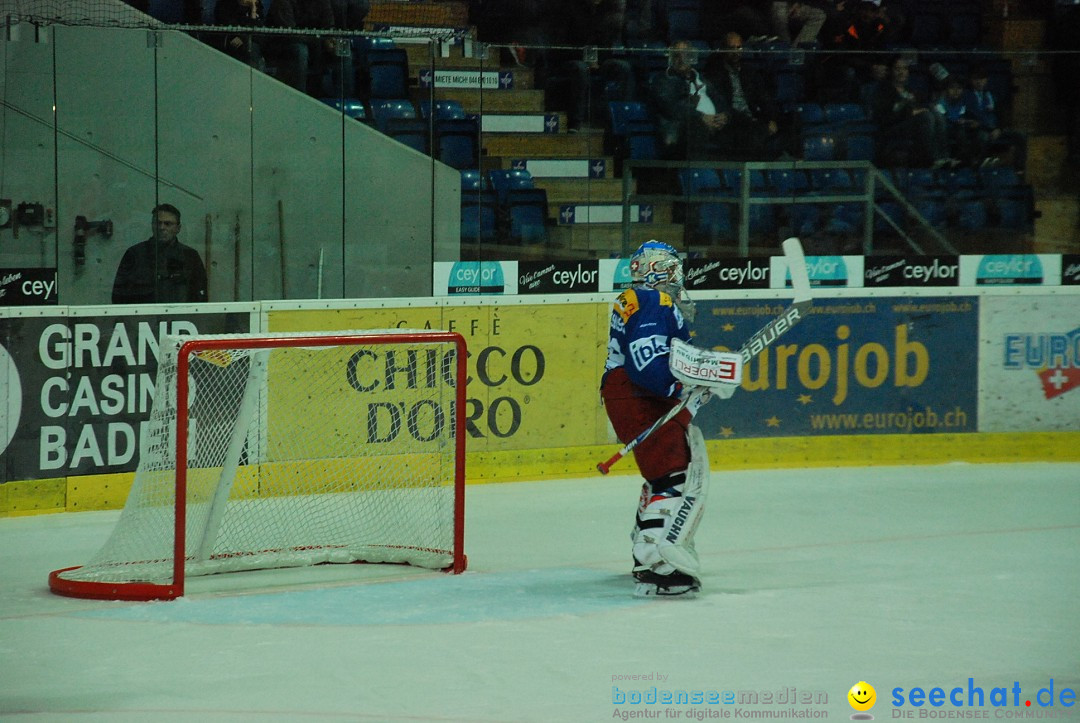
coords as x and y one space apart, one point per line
444 109
859 147
788 181
809 115
733 181
527 210
1014 209
922 182
999 179
819 147
959 181
931 209
478 217
763 221
633 130
623 114
352 107
894 211
457 142
471 180
972 215
790 87
707 222
413 132
387 111
804 218
503 180
831 180
387 73
364 44
399 120
838 114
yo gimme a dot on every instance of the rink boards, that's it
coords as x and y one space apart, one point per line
872 376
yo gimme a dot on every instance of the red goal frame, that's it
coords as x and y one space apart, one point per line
145 591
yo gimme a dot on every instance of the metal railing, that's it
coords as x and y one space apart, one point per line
745 196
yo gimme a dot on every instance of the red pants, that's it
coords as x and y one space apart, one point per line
632 410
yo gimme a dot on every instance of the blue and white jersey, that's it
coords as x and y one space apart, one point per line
643 323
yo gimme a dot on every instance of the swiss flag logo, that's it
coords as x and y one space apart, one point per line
1056 382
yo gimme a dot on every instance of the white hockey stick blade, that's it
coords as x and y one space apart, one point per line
796 261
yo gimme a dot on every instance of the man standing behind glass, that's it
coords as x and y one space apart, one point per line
160 269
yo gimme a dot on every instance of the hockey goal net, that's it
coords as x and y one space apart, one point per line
284 450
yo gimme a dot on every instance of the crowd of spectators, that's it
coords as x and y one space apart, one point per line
709 105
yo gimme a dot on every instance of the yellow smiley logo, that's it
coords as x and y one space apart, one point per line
862 696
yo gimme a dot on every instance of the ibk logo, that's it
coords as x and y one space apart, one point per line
643 351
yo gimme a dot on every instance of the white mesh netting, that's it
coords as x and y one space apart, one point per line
296 456
419 18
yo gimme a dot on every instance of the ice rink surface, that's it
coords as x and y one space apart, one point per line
959 577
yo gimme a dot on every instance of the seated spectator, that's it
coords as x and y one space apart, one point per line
300 56
754 120
691 113
245 13
806 18
860 31
909 133
646 22
961 129
749 18
982 108
350 14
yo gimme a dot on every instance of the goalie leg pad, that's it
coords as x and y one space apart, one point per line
664 534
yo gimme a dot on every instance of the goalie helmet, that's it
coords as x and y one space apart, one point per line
657 265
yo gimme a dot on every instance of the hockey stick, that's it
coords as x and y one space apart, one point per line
762 338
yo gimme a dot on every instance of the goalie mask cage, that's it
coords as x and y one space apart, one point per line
285 450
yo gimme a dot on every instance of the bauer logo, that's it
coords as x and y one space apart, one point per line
1009 269
912 271
727 274
556 277
476 277
1070 269
825 271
